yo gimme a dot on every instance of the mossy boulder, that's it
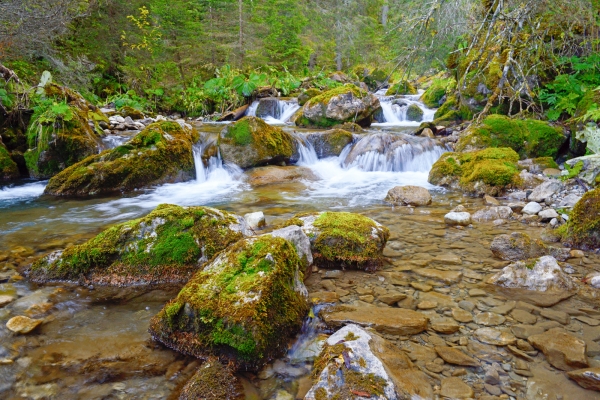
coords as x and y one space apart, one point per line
414 113
347 103
529 138
161 153
213 381
330 143
344 240
436 91
375 79
489 171
451 111
8 168
243 306
57 143
401 88
166 246
131 112
307 95
251 142
583 228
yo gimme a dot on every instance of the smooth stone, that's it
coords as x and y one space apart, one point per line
457 218
547 215
545 190
444 325
323 297
587 320
256 219
532 208
408 196
22 324
427 305
587 378
466 305
562 350
489 319
391 298
523 316
454 356
504 308
462 315
451 259
6 299
393 321
524 331
492 213
494 336
444 276
442 299
490 201
558 316
477 292
456 388
421 286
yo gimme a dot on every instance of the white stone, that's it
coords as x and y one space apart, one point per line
255 219
545 275
492 213
457 218
593 279
545 190
532 208
548 214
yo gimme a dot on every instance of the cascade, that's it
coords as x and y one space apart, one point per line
394 109
284 110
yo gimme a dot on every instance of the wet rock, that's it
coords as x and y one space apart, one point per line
391 297
296 236
532 208
22 324
545 190
444 325
454 356
588 378
563 351
161 153
235 289
330 143
494 336
490 201
213 381
523 316
458 218
255 219
489 319
456 388
166 246
251 142
393 321
408 196
519 246
555 315
270 174
462 315
492 213
340 239
444 276
6 299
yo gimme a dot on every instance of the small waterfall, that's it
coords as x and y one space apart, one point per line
251 112
307 154
213 169
395 109
274 111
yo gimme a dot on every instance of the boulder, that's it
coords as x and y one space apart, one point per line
296 236
58 143
414 113
213 381
490 171
131 112
590 168
371 367
588 378
243 306
255 219
271 174
268 107
161 153
519 246
492 213
341 239
166 246
347 103
563 350
454 218
307 95
582 231
545 191
408 196
251 142
401 88
330 143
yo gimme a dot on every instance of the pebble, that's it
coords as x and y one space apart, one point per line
427 305
462 315
489 319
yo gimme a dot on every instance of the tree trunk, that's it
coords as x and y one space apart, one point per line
241 38
385 9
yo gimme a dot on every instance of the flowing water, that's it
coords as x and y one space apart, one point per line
94 343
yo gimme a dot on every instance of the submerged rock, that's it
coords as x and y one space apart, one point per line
368 367
408 196
341 239
454 218
166 246
583 228
519 246
330 143
161 153
251 142
542 274
563 350
347 103
414 113
22 324
588 378
243 306
213 381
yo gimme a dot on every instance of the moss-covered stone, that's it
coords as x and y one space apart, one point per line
530 138
161 153
438 89
8 168
344 240
330 143
307 95
167 245
414 113
583 228
401 88
131 112
58 144
243 306
251 142
213 381
489 171
347 103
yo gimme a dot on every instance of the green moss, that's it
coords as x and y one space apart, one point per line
438 89
307 95
414 113
213 381
8 168
166 246
242 306
401 88
490 170
325 97
583 228
529 138
128 111
545 162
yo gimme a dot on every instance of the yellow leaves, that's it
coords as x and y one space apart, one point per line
149 33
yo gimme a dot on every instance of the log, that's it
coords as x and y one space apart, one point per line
235 114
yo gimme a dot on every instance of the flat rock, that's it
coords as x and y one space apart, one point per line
477 292
393 321
562 350
555 315
489 319
523 331
449 258
545 190
391 297
456 388
495 336
458 218
454 356
423 287
323 297
444 276
444 325
22 324
588 378
6 299
523 316
462 315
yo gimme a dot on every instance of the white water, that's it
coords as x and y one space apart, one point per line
395 114
22 192
285 110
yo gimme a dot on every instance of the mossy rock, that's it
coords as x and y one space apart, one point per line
583 228
375 79
166 246
131 112
58 145
401 88
436 91
213 381
414 113
489 171
307 95
330 143
243 306
161 153
251 142
545 162
529 138
344 240
8 168
347 103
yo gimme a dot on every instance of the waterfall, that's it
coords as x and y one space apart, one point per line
214 168
278 113
395 108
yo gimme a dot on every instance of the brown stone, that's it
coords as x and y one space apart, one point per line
489 319
588 378
391 298
563 350
462 315
394 321
272 174
408 196
495 337
323 297
444 325
456 388
444 276
22 324
523 316
454 356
